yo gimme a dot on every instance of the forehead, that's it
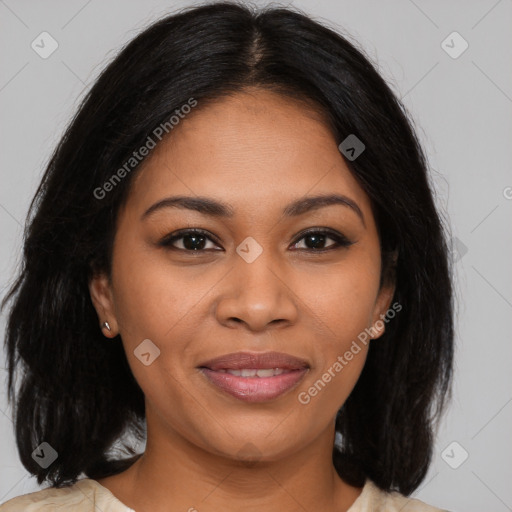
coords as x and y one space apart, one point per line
250 149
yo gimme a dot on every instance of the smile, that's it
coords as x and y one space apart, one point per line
255 377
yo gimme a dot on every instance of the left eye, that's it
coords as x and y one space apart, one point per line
314 240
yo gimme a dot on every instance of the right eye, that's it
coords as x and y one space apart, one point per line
192 240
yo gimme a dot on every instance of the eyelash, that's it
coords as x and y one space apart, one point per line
340 240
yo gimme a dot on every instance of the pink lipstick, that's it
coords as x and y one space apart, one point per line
255 377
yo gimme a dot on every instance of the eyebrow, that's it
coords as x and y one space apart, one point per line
214 208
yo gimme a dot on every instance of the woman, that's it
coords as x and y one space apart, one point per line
242 206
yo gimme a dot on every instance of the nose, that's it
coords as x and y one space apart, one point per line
257 294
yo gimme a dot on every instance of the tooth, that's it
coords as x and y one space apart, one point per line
249 372
265 373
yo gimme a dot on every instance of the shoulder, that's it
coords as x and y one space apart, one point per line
373 499
84 496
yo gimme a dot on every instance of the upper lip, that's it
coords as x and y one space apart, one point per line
255 360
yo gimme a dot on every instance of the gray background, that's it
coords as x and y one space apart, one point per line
462 109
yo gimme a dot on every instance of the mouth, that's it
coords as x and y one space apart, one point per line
255 377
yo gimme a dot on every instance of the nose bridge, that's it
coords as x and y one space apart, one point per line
260 273
257 268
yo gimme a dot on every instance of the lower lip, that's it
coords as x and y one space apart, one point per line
255 389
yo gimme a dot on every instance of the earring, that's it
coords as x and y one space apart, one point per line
106 324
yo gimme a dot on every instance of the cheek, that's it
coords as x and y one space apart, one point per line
151 297
342 299
341 307
157 301
153 303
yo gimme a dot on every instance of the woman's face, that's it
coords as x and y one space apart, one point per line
255 283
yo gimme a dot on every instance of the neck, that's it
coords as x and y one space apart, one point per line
177 475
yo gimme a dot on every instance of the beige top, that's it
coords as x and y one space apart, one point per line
88 495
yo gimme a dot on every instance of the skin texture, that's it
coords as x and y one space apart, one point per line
207 450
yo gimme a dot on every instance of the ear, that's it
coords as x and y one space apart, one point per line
384 298
100 290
